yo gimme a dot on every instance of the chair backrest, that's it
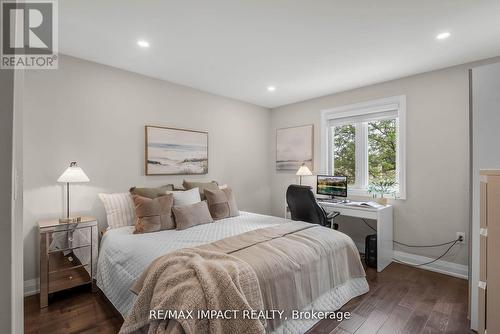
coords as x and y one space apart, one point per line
303 205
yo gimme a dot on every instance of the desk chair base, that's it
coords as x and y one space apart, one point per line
331 217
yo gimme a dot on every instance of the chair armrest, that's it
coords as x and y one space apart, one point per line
333 214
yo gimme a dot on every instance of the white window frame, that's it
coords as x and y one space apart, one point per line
391 104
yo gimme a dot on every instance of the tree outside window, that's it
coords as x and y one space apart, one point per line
381 145
382 151
344 151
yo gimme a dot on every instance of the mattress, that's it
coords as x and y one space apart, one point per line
124 256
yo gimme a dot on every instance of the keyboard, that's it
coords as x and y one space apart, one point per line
333 200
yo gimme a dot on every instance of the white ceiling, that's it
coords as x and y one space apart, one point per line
306 48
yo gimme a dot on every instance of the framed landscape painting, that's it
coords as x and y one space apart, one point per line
171 151
294 146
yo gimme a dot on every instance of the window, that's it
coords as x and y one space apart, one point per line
365 142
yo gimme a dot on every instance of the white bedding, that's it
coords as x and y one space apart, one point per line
124 256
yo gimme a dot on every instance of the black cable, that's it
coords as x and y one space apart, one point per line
437 245
426 263
364 221
407 245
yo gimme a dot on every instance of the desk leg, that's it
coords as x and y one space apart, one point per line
385 247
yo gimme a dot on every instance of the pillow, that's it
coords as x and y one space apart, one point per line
201 185
153 214
119 209
186 197
221 203
152 192
187 216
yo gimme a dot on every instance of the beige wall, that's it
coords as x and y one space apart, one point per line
437 152
96 114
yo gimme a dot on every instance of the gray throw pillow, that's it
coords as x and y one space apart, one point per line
221 203
153 214
187 216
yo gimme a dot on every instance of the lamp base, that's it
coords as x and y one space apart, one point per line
71 220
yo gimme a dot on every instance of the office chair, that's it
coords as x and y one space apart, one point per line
303 206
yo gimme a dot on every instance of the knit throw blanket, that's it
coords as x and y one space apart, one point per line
191 280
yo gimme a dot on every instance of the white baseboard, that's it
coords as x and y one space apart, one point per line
440 266
31 287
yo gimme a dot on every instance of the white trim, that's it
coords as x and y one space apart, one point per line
440 266
369 107
31 287
17 302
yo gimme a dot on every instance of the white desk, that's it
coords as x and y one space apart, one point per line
384 218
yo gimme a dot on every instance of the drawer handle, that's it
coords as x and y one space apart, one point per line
70 277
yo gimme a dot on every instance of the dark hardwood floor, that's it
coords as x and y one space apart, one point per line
402 299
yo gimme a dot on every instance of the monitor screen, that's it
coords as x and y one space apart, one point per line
332 185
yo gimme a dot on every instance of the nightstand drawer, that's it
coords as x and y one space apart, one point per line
60 262
69 239
69 278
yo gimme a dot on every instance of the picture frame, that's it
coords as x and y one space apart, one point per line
295 146
175 151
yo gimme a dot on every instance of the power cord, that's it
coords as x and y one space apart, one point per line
416 246
364 221
454 242
437 245
426 263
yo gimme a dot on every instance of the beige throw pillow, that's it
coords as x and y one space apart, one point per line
201 186
221 203
153 214
152 192
187 216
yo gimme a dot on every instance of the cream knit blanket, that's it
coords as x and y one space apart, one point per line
190 280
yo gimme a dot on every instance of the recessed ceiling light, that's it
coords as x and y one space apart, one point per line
443 35
271 88
143 44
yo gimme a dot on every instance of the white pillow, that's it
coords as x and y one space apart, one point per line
120 210
186 197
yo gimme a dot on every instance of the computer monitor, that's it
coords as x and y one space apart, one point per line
332 185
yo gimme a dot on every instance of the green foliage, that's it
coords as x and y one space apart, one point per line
344 146
381 151
382 188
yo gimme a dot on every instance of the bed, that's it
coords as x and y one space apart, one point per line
124 256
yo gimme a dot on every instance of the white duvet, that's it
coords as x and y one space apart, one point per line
123 257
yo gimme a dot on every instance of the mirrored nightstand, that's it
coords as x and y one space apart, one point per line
68 255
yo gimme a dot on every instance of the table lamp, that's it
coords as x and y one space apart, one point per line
303 171
73 174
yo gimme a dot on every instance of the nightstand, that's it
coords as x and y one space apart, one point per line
68 255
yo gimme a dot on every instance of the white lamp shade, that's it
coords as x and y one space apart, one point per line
73 174
304 171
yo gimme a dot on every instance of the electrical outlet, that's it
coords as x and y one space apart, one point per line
461 234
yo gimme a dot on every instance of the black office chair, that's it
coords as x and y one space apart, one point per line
303 206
